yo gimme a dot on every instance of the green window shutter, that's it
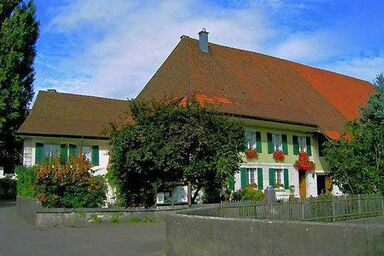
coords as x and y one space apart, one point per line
260 185
270 144
286 179
95 155
272 177
285 144
231 183
295 145
39 153
63 153
244 177
258 142
72 150
309 149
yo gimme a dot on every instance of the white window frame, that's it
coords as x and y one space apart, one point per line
49 152
251 139
302 143
277 141
251 175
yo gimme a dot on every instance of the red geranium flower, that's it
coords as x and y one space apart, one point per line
304 163
251 153
278 155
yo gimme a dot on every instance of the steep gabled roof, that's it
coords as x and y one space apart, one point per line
63 114
251 84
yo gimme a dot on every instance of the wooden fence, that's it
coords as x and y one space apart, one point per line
335 209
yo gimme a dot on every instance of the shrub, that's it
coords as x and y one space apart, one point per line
325 196
7 188
69 185
250 193
26 181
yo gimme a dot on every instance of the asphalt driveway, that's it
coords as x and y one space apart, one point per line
19 238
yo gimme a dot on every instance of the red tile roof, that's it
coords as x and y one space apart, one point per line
259 86
236 81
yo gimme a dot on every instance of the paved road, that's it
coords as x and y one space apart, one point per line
19 238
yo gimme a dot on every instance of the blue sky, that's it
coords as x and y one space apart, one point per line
112 48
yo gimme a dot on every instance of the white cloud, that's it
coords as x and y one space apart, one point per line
362 67
126 41
135 40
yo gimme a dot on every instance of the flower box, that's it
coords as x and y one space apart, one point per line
251 154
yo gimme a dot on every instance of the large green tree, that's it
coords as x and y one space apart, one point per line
172 144
18 35
356 161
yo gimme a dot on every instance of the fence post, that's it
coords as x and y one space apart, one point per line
302 210
359 202
333 210
382 204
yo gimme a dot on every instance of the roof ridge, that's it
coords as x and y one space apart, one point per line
83 95
281 59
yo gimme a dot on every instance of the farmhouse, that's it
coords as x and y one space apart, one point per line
286 107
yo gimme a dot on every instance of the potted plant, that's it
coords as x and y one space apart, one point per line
304 164
278 155
251 154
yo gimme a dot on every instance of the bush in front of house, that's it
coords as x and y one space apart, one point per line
7 188
250 193
26 181
70 185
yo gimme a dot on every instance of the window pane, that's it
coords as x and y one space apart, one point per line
51 150
278 176
86 150
251 176
302 144
277 142
251 140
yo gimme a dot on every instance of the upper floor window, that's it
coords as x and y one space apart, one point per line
277 141
302 142
251 140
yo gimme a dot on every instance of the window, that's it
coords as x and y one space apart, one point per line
251 176
51 150
86 151
277 141
251 140
302 142
278 176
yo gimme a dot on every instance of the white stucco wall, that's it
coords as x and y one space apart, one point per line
311 181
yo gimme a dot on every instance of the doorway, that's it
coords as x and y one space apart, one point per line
324 184
302 185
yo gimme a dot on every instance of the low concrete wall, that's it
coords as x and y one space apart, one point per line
27 207
34 213
197 235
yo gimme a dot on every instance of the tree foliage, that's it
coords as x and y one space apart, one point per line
18 35
356 161
170 144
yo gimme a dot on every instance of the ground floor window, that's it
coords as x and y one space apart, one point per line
86 152
278 176
51 150
251 176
